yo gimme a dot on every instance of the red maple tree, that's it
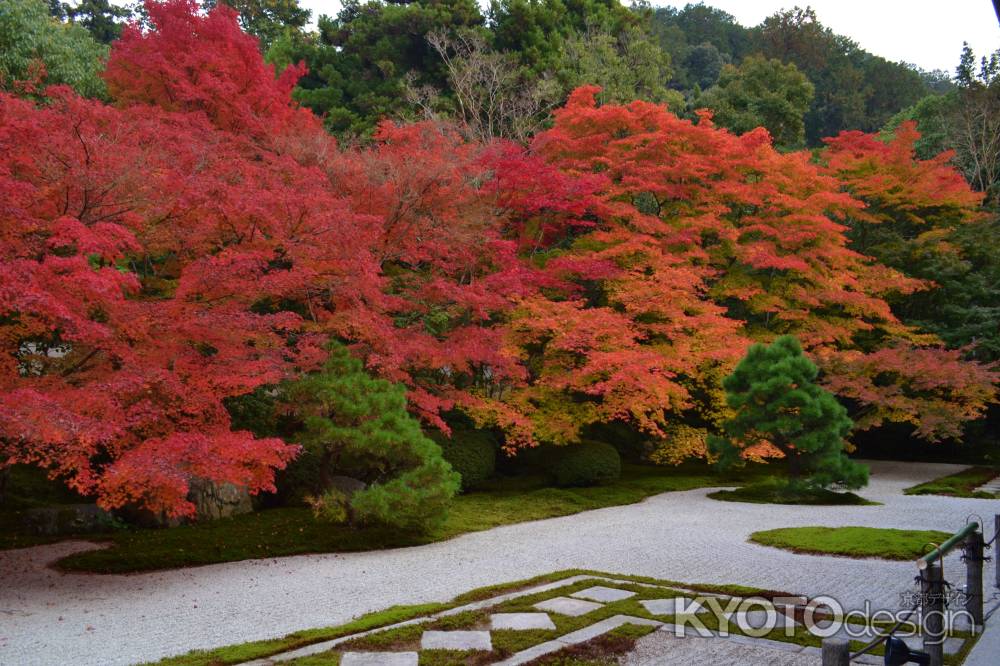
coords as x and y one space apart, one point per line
203 237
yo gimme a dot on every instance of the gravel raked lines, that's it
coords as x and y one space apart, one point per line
54 618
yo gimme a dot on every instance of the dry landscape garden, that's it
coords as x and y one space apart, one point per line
438 332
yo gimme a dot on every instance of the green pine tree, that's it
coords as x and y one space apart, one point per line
774 395
358 426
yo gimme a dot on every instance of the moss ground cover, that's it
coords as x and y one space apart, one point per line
294 531
235 654
774 491
885 543
961 484
602 650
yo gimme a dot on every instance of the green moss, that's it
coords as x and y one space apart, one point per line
459 621
634 631
235 654
505 642
294 531
603 650
508 641
454 658
960 484
772 492
400 638
505 645
889 544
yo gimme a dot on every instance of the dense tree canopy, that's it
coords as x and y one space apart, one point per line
854 89
202 236
762 93
35 46
267 20
101 18
689 254
359 60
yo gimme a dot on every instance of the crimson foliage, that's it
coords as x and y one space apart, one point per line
202 237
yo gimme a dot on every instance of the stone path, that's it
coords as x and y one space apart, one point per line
379 659
51 618
521 621
719 651
575 638
992 486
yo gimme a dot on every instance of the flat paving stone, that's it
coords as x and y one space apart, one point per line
992 486
521 621
532 653
456 640
603 627
603 594
670 606
753 620
567 606
379 659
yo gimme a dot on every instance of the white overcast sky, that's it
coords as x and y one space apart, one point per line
927 33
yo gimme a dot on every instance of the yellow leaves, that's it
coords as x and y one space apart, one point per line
681 442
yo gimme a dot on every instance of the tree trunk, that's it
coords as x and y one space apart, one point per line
793 462
4 479
325 463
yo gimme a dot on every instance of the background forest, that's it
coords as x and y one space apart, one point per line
231 243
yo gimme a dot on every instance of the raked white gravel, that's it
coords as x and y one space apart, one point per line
52 618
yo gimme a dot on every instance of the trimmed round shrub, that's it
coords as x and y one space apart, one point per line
631 443
588 463
471 453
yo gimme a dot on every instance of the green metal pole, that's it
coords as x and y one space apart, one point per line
949 544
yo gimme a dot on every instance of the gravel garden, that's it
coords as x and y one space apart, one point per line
431 333
585 618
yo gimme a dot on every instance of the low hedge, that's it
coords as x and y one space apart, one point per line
471 453
588 463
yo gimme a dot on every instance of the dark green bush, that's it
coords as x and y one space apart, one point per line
632 444
471 453
588 463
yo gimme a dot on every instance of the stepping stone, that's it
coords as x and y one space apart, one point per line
753 620
670 606
603 627
532 653
521 621
567 606
456 640
992 486
379 659
603 594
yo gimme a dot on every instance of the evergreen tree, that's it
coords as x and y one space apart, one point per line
762 93
358 425
267 20
775 398
33 43
102 19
